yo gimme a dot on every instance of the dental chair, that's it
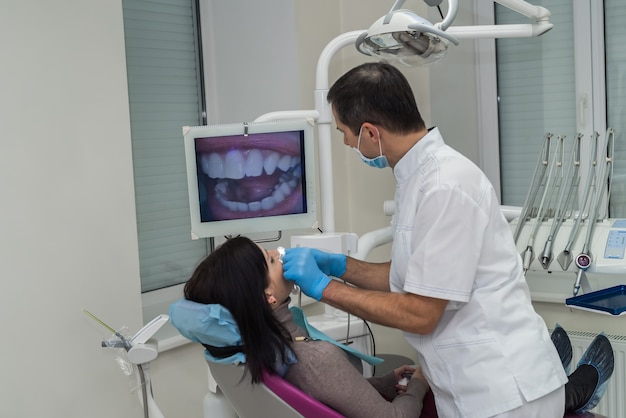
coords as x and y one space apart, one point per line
277 398
273 398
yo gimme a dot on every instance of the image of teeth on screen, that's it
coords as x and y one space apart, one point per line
253 181
244 177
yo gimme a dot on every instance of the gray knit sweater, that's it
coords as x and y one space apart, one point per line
324 372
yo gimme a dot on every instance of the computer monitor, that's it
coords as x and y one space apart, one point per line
252 177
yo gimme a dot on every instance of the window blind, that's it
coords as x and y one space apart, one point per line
164 86
536 95
615 62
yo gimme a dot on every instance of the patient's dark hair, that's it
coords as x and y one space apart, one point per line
235 275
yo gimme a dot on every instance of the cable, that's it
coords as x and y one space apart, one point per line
144 391
348 329
372 343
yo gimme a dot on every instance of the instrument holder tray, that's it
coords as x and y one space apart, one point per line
609 301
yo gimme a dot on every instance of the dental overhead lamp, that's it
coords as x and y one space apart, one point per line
406 37
401 36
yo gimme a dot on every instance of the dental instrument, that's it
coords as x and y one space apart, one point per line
544 204
601 263
295 290
584 259
569 186
535 185
565 258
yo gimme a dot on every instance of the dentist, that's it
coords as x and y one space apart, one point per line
454 284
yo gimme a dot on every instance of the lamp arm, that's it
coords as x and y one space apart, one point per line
396 5
327 54
499 31
539 14
323 125
288 114
522 7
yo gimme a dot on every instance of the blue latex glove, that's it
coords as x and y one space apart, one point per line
332 264
299 266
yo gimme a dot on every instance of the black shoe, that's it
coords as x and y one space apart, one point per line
598 355
563 346
580 387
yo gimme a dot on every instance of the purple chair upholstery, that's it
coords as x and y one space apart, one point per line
298 400
273 398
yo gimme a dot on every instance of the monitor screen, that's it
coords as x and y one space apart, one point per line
246 178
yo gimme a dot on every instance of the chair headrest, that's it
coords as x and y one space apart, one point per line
215 326
210 324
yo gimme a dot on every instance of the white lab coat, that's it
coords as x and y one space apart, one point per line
451 242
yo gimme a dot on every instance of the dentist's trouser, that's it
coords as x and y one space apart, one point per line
550 406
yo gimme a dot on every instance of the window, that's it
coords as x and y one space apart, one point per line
165 93
567 81
615 33
535 95
166 83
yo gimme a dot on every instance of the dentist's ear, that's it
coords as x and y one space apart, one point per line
370 131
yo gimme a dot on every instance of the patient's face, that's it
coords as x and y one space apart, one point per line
278 287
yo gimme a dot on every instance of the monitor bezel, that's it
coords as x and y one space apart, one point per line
308 219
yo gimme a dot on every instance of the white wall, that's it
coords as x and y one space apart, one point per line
67 219
247 58
453 90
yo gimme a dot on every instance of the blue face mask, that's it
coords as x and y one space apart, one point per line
378 162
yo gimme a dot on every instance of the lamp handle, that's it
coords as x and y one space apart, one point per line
453 8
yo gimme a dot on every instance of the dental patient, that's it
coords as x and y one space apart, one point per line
248 281
242 285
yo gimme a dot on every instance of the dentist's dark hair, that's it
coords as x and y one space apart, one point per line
377 93
235 275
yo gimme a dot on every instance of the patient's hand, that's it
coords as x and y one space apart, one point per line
404 373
